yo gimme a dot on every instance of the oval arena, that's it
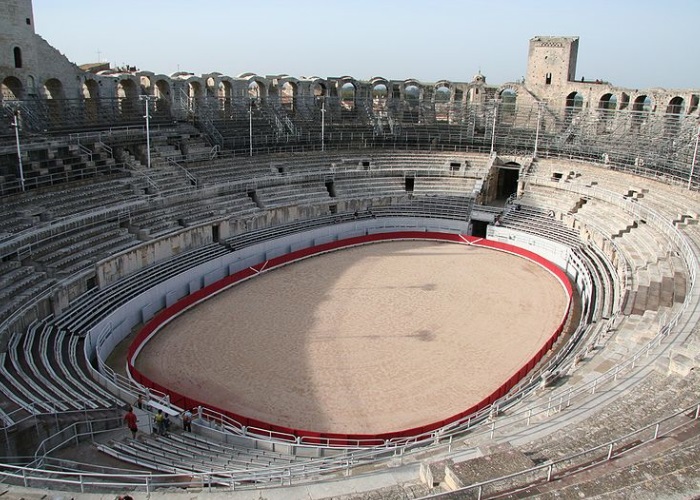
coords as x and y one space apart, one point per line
362 288
346 343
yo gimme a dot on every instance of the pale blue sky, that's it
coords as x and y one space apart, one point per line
637 44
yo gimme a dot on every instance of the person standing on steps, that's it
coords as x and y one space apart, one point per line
187 421
130 420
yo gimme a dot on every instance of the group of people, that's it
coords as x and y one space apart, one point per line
161 420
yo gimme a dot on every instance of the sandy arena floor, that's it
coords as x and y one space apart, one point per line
373 339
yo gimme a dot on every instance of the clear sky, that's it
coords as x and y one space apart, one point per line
630 43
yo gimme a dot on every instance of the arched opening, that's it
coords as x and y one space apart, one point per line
674 113
256 90
12 89
318 89
18 57
641 107
288 92
194 95
380 93
225 99
443 95
411 101
161 91
53 91
606 113
574 104
642 103
127 94
508 110
145 85
676 106
91 95
91 89
347 97
211 88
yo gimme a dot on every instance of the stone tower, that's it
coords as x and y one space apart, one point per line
29 66
17 36
551 61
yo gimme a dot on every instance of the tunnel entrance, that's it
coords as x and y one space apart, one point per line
508 176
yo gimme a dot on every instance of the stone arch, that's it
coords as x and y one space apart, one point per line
694 101
676 106
90 89
17 53
225 93
257 88
211 88
347 90
12 89
642 103
145 83
574 104
607 104
127 95
674 112
442 98
319 88
195 93
641 107
161 91
411 96
53 92
508 97
53 89
412 92
91 95
379 94
288 93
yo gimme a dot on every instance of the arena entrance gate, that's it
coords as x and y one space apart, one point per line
507 180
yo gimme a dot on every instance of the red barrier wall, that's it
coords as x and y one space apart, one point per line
282 432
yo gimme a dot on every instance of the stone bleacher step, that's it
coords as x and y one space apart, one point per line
497 461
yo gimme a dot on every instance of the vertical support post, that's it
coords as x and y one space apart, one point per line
493 132
15 124
537 131
610 450
549 472
147 116
250 126
695 157
656 432
323 123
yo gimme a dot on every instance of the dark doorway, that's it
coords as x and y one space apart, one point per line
479 228
410 181
507 182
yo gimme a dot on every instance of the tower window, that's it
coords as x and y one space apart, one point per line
18 57
548 79
29 21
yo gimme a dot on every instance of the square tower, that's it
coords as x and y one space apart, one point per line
551 60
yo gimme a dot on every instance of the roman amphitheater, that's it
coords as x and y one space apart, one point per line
361 289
